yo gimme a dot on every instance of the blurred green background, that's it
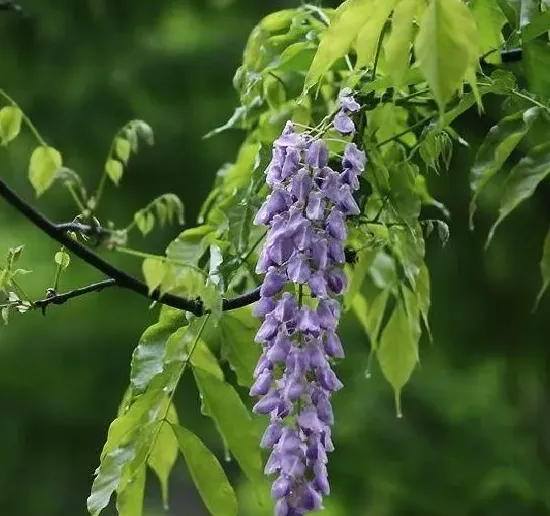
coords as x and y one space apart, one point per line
475 439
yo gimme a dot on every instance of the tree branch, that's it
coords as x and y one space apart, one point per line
118 277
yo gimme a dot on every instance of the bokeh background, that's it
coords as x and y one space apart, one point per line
475 439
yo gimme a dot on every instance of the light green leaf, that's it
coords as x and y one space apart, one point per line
122 149
423 295
529 9
371 32
501 140
398 352
383 271
370 314
357 274
511 9
153 272
164 453
129 502
207 474
224 406
108 478
148 357
44 163
10 123
537 26
544 268
522 181
62 259
397 48
339 37
190 245
446 46
114 170
145 221
536 64
490 19
238 328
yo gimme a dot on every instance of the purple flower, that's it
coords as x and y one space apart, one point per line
303 249
347 102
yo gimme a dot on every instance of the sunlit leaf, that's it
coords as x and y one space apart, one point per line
153 272
145 221
108 478
490 19
62 259
122 149
129 502
398 352
536 63
190 245
10 123
339 37
501 140
233 421
371 32
423 295
397 48
238 328
164 453
43 165
114 170
370 314
446 46
522 181
538 25
529 9
207 474
383 271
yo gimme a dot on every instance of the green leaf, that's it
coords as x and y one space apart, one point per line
164 453
129 501
62 259
114 170
446 46
522 181
223 405
10 123
544 268
529 9
339 37
423 295
357 274
108 478
371 32
190 245
501 140
122 149
490 19
43 165
370 313
398 352
383 271
537 26
397 48
207 474
145 221
511 9
148 357
153 272
238 328
536 63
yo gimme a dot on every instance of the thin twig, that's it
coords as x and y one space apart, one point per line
59 299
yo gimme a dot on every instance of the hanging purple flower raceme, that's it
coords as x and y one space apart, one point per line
302 260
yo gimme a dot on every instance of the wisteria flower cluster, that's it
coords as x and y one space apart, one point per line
302 260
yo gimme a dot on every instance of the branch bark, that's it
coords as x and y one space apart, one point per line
118 277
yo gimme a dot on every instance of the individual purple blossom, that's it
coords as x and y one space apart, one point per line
302 261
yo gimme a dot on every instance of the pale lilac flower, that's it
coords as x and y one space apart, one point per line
302 256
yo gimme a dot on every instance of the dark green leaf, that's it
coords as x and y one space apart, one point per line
497 147
233 420
545 267
537 26
522 181
528 10
536 59
207 474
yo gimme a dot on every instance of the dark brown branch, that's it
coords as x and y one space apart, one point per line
120 278
59 299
